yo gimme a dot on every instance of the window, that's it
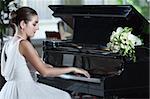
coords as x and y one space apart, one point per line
46 21
49 23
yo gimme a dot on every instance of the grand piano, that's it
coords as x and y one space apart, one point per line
111 74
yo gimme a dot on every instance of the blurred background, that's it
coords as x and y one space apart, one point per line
49 23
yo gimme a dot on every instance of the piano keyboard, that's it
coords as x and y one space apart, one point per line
73 77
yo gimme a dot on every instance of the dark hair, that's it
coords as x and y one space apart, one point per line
23 13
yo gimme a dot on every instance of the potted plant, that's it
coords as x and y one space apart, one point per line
6 6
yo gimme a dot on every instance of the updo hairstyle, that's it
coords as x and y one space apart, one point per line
22 14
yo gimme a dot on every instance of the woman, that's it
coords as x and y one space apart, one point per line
17 52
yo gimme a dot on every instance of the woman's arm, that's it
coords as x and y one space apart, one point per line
28 51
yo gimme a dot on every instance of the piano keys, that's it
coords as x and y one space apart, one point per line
80 78
111 74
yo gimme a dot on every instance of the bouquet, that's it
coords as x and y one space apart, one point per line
122 41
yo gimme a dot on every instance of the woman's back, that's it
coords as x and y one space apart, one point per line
20 84
15 70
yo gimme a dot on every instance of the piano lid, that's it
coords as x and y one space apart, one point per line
93 24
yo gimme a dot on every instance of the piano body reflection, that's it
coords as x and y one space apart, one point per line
111 74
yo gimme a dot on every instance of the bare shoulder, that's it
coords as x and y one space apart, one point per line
25 47
24 43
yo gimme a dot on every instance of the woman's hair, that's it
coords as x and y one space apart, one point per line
22 14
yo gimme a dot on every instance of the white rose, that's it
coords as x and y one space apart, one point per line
135 40
119 29
116 48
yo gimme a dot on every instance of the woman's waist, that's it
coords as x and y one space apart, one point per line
20 81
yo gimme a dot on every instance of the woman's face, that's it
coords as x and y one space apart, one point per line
32 26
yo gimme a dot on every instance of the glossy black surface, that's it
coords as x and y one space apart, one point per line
92 25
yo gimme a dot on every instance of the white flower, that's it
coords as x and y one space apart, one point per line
116 48
135 40
124 42
119 29
114 34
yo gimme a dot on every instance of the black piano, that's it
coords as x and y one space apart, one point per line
111 74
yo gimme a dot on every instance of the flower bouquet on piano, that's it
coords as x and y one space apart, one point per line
122 41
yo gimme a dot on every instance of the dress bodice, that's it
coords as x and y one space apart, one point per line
14 65
20 83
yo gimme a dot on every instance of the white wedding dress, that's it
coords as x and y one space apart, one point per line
20 83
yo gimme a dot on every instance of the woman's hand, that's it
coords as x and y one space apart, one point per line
81 71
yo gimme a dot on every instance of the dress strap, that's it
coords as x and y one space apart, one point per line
19 36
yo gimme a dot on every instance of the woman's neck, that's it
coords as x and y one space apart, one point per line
21 35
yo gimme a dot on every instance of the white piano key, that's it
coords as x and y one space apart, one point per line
73 77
